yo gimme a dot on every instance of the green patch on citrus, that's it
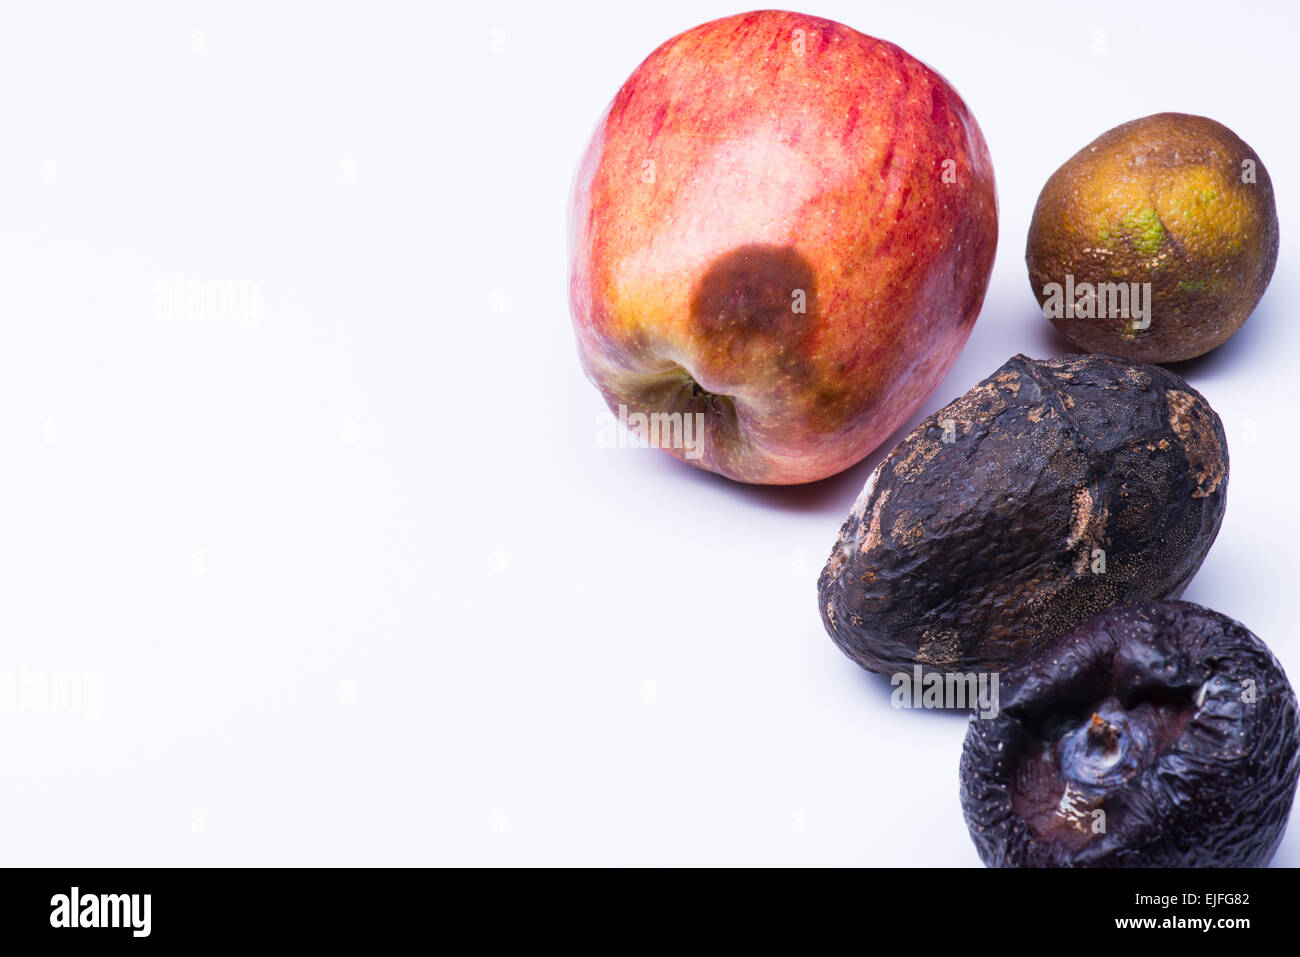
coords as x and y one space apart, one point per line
1145 231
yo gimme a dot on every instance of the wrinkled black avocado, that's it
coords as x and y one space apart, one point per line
1048 492
1159 734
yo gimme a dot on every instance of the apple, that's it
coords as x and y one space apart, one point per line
780 236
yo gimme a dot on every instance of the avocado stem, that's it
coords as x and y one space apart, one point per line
1103 734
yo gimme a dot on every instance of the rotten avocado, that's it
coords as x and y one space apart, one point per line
1051 490
1156 734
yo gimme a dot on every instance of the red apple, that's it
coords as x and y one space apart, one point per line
781 231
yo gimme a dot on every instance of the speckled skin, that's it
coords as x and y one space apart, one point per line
1217 796
967 555
1206 241
755 156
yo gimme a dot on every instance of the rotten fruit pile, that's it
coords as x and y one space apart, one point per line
781 233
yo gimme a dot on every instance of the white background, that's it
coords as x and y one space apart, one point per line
345 578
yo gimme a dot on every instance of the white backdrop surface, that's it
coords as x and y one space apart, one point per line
329 568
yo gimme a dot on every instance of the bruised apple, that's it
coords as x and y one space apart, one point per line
781 234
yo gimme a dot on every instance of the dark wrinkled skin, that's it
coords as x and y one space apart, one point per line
1218 795
967 555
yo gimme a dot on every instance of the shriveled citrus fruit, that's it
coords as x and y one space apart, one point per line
1156 240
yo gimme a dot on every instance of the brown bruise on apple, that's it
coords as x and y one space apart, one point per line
730 176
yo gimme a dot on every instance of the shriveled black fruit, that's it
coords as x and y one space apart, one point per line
1053 489
1160 734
